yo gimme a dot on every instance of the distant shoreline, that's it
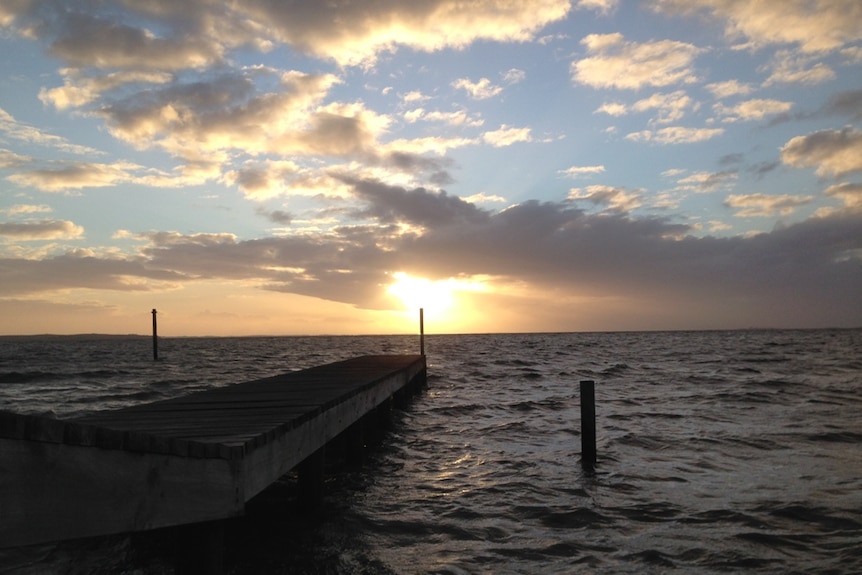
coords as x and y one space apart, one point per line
148 336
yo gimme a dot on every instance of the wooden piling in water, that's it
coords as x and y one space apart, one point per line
421 331
588 425
155 337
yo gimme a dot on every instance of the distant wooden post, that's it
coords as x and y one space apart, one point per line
155 338
422 331
588 425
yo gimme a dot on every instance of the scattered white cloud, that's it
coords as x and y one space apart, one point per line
833 152
751 110
616 63
613 109
675 135
481 90
707 181
852 54
414 97
763 205
616 199
578 171
671 107
789 67
848 192
455 118
41 230
729 88
25 133
75 176
197 33
602 6
813 26
79 90
482 198
506 136
514 76
26 209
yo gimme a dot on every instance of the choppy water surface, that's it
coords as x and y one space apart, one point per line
719 452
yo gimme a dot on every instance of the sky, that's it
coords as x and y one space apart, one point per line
265 167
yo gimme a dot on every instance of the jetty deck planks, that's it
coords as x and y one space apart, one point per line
190 459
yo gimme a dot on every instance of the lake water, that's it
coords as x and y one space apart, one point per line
718 452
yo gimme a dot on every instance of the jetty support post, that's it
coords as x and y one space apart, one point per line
588 425
155 337
200 548
311 476
421 331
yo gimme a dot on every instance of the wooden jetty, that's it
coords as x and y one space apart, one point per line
188 460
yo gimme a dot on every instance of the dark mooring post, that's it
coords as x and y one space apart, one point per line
155 338
422 331
588 425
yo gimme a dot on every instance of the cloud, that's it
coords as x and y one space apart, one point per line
421 207
646 263
834 152
89 40
578 171
317 28
613 109
603 6
748 110
671 107
75 176
276 216
197 33
790 68
707 181
414 96
615 63
813 26
729 88
847 192
514 76
41 230
80 269
763 205
79 90
26 209
455 118
675 135
616 199
26 133
847 103
506 136
226 114
481 90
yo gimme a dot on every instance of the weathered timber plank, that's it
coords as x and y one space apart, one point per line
182 460
269 461
73 491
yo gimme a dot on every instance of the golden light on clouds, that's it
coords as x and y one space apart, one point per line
439 298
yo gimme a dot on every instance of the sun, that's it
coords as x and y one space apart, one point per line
434 296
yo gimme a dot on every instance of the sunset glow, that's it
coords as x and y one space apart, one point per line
320 167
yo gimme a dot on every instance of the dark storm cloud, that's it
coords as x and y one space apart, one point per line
846 103
79 270
553 247
418 206
276 216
